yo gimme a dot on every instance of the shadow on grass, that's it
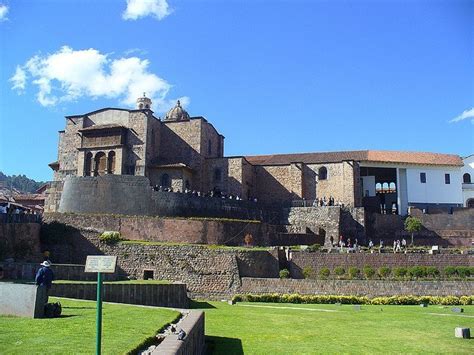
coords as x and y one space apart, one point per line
68 307
223 345
67 315
200 305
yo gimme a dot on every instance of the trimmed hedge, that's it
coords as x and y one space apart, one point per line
330 299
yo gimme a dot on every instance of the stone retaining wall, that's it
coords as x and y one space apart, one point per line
370 288
163 295
133 195
20 241
194 341
160 229
316 261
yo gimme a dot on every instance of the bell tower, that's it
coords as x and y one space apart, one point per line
143 103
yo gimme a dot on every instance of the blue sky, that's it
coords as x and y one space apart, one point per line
272 76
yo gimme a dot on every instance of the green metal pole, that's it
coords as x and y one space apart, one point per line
99 313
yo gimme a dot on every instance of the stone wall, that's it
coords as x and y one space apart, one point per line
27 272
162 295
370 288
133 195
193 343
20 241
278 183
445 229
159 229
207 271
316 261
317 220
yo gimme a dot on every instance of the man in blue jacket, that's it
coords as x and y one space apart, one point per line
45 276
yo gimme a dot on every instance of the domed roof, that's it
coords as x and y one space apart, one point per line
177 113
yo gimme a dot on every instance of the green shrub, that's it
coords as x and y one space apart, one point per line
463 271
416 272
329 299
400 272
308 272
339 271
314 247
384 272
353 272
324 273
284 274
110 237
369 272
432 271
450 271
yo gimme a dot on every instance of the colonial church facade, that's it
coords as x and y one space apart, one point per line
181 153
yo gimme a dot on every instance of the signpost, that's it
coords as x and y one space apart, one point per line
100 264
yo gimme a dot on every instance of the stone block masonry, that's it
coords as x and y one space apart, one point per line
317 261
163 295
369 288
193 343
20 241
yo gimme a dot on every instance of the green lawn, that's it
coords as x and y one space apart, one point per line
124 328
275 328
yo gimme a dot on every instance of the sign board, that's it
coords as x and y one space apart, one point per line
100 263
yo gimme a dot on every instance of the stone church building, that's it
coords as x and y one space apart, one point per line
183 152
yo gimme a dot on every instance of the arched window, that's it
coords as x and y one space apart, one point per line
100 164
392 187
140 106
466 178
323 173
111 163
470 203
217 175
378 187
385 187
88 165
165 180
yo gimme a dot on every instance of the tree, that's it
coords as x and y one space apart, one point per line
413 225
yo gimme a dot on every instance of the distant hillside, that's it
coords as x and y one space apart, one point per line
19 182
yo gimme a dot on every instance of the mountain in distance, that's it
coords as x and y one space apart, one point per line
19 182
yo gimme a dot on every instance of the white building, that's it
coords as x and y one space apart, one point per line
403 179
467 172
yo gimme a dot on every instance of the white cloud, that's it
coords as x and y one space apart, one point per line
466 115
68 75
142 8
19 79
3 12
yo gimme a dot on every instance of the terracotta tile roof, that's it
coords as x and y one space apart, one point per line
414 158
418 158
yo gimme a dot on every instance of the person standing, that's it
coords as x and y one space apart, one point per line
44 277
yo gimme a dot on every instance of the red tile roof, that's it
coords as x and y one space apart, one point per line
418 158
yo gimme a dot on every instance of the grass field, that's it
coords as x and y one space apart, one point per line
124 328
275 328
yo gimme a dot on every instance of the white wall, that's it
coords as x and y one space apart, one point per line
468 189
434 190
